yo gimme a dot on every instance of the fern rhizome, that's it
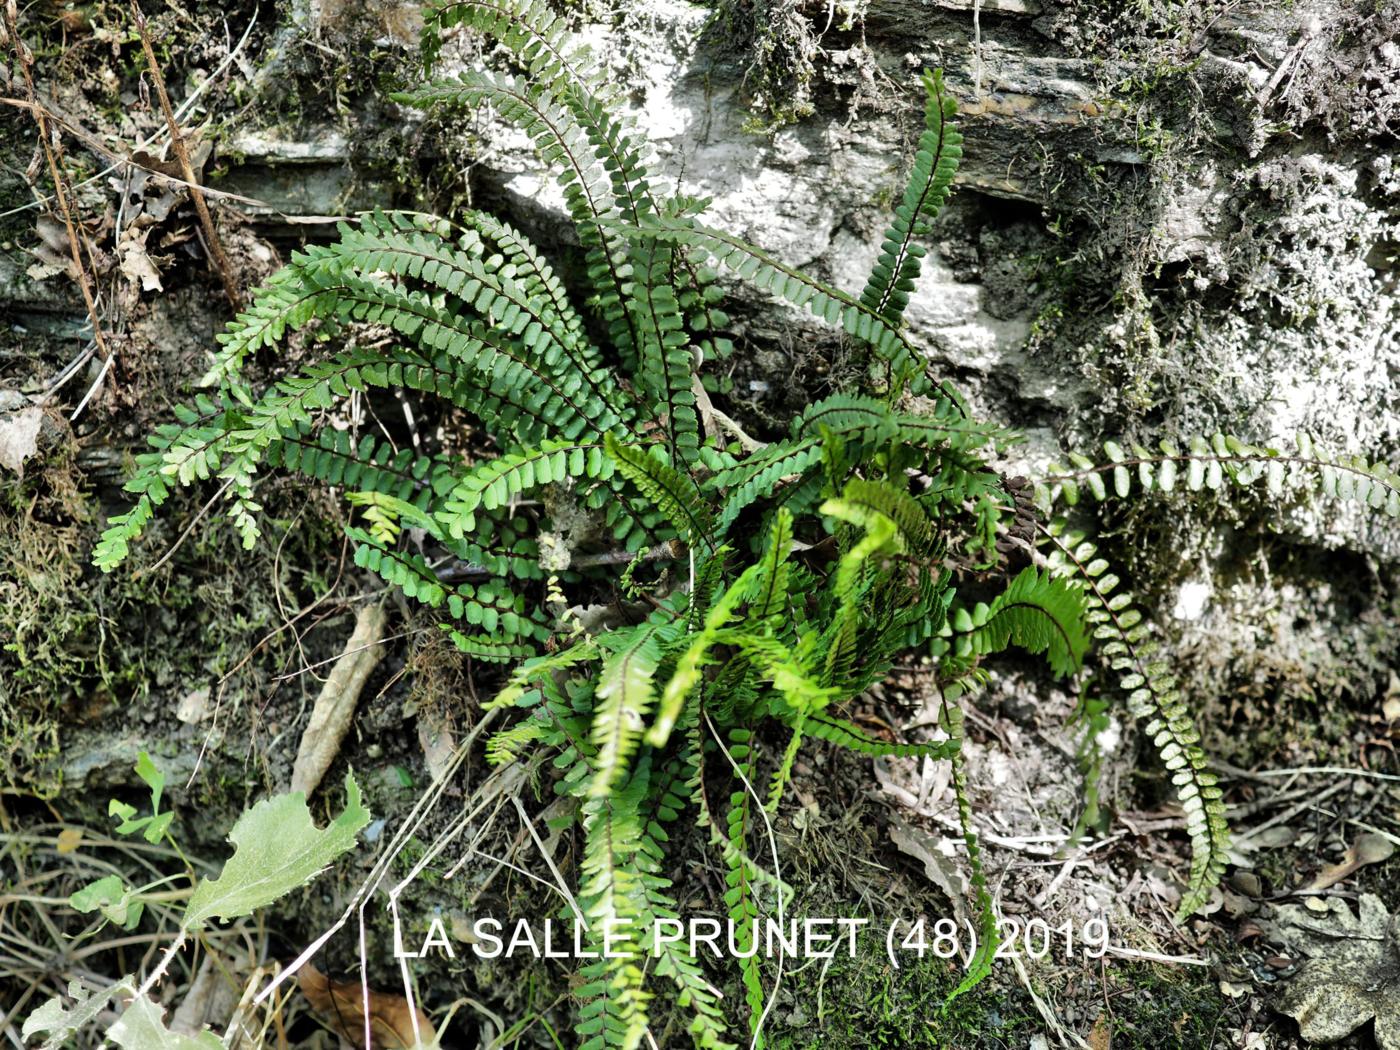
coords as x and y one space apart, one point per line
741 585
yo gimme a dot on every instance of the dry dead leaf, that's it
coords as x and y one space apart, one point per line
194 706
210 999
1353 974
1390 704
69 839
335 707
341 1005
19 431
133 261
52 253
1100 1037
436 738
940 870
1368 848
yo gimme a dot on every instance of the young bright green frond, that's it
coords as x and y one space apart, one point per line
624 695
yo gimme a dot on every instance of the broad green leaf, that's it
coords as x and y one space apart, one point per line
277 849
115 899
152 828
61 1021
142 1027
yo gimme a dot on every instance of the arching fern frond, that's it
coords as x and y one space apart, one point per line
494 483
935 163
1038 612
1153 697
801 289
674 493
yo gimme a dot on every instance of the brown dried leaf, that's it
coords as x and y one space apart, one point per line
438 741
1100 1037
69 839
341 1005
133 261
940 870
1369 848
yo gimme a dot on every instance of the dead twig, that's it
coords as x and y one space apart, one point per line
335 706
53 153
177 143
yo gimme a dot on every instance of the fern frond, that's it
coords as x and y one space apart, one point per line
1208 463
946 426
689 667
488 650
624 696
539 669
739 891
665 364
770 591
801 289
534 34
489 605
935 163
395 244
845 734
759 476
562 145
900 507
980 965
370 464
614 900
674 493
538 279
1040 613
498 481
1154 698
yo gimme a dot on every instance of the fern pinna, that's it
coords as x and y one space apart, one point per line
751 585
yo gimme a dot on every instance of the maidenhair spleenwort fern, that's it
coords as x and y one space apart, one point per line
1120 630
752 591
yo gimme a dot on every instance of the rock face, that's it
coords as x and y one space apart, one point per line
1191 224
1172 219
1169 223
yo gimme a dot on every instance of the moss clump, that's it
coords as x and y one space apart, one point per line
864 1002
780 47
77 647
1165 1007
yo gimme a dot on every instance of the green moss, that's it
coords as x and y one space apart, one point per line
77 646
1165 1007
864 1002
